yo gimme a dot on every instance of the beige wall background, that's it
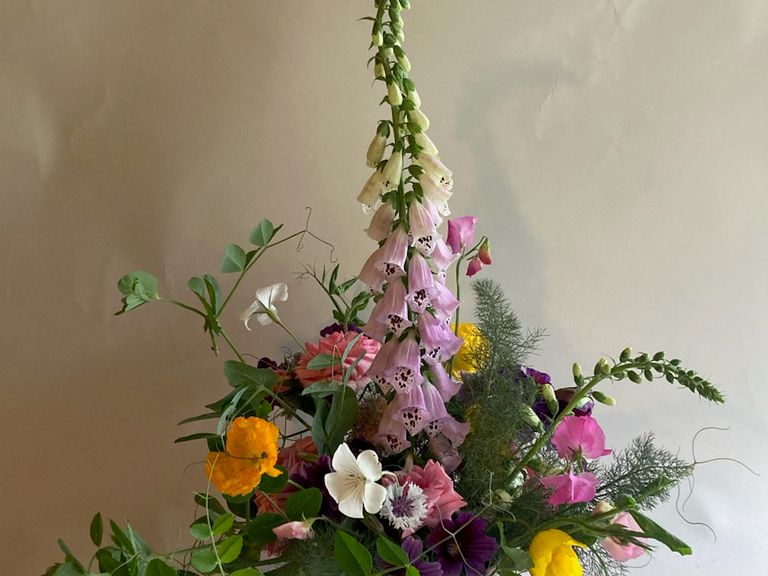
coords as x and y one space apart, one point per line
615 152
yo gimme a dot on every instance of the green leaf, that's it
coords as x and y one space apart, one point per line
323 361
223 524
196 436
214 292
412 571
200 531
209 503
68 556
200 417
322 389
340 419
68 569
234 259
518 560
157 567
263 233
318 425
97 529
204 560
259 529
138 288
352 556
119 538
274 484
197 286
390 552
653 530
230 549
247 572
304 504
240 374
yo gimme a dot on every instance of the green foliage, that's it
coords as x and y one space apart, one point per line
344 312
331 423
304 504
390 552
351 556
643 471
138 288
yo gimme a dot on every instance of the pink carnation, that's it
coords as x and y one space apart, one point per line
571 488
579 435
621 552
442 499
334 345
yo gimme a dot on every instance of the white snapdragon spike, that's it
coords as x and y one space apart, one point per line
393 171
371 192
425 143
353 483
263 307
376 150
394 94
419 118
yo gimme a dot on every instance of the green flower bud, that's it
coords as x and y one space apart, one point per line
605 368
604 398
414 97
405 4
426 144
394 94
576 370
634 376
376 150
404 62
626 354
548 392
377 38
419 118
529 416
379 71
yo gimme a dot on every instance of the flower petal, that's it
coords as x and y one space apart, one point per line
373 497
345 462
368 463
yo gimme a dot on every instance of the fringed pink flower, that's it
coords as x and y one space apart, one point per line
334 345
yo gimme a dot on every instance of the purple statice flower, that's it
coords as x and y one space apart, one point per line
461 544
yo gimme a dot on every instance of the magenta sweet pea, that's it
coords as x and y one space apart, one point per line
578 436
571 488
461 232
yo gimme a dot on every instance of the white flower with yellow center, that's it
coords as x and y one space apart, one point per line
353 483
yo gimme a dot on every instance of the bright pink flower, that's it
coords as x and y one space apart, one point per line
579 435
461 232
442 499
444 303
392 310
421 284
294 530
621 552
571 488
446 386
474 266
334 345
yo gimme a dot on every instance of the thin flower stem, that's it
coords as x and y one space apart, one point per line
186 307
231 345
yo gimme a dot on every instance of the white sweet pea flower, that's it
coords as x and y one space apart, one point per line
263 307
353 483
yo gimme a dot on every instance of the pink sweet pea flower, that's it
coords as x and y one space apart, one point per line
571 488
579 435
442 499
461 232
294 530
621 552
474 266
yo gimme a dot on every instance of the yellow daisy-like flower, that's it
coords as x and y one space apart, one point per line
553 555
473 338
251 452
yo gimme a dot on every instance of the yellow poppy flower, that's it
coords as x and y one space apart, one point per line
251 452
473 338
553 555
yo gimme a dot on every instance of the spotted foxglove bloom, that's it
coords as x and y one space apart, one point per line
353 483
376 150
263 307
444 303
420 220
405 370
393 171
392 310
405 507
437 170
419 118
435 193
393 253
438 342
446 386
425 143
372 190
370 274
381 223
421 284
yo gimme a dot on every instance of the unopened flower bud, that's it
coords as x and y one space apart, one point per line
376 150
625 354
576 370
424 142
404 62
530 417
377 39
406 4
548 392
474 266
602 507
400 35
393 171
414 97
485 253
419 118
604 398
394 94
379 71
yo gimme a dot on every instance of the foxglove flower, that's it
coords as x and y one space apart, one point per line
446 386
413 411
437 170
435 193
405 507
391 436
438 342
461 233
381 223
353 483
579 436
371 275
371 192
414 97
570 488
405 370
393 171
444 303
450 428
394 94
376 150
421 284
425 143
443 257
420 220
392 309
393 253
383 362
419 118
263 307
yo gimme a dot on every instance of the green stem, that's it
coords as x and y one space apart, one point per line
231 345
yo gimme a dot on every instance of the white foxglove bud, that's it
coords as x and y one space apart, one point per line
376 150
393 171
419 118
395 96
381 223
369 195
377 39
414 97
437 195
389 52
400 35
426 145
405 64
379 71
437 170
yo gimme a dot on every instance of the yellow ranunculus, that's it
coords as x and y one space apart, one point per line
473 338
553 555
251 452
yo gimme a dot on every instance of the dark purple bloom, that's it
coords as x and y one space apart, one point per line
312 475
461 544
538 377
414 548
336 327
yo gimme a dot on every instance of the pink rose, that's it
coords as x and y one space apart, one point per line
571 488
621 552
442 499
334 345
294 530
579 435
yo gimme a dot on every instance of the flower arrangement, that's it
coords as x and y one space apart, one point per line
401 440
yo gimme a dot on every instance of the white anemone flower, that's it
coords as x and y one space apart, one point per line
263 307
353 483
